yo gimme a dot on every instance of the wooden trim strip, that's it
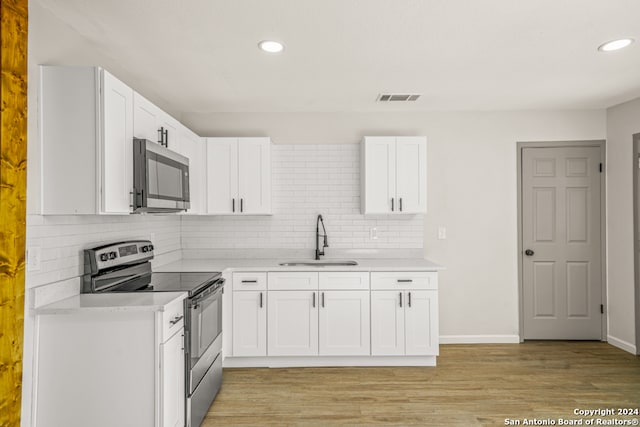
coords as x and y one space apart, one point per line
13 187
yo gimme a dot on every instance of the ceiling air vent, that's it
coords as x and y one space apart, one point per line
403 97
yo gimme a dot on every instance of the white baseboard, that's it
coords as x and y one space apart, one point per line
323 361
621 344
479 339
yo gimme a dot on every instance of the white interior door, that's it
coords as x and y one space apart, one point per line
293 323
222 176
254 175
117 145
411 174
562 280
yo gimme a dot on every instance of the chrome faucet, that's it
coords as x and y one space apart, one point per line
325 244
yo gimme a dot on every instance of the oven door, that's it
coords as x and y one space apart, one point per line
204 333
161 178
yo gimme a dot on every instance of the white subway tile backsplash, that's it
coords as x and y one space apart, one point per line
63 238
308 180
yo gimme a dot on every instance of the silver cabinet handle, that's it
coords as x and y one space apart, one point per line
400 293
323 300
314 300
249 281
392 204
233 205
260 299
405 280
175 320
409 299
241 205
400 204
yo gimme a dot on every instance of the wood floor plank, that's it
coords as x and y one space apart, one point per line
473 385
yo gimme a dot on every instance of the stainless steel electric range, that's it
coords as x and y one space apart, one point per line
126 267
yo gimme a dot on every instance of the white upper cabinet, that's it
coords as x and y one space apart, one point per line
239 176
86 128
152 123
192 147
394 175
117 145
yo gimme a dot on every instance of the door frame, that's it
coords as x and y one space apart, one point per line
601 143
636 229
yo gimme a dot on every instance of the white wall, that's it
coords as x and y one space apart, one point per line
308 180
471 191
622 122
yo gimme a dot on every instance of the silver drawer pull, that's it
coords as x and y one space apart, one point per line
249 281
175 320
405 280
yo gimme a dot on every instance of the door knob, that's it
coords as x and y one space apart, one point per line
529 252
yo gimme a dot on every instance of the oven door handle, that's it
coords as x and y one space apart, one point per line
193 302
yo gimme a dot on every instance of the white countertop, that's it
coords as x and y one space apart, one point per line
246 264
112 302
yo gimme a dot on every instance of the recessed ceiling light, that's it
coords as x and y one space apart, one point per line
271 46
615 45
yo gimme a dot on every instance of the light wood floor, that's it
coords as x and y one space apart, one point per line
473 385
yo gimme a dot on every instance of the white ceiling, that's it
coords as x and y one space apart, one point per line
202 55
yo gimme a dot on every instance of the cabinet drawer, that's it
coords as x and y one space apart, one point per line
249 281
344 281
293 281
172 319
404 280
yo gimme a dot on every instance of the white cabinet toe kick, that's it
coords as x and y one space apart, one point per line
306 319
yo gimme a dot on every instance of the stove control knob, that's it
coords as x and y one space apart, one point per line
150 247
104 257
113 255
144 248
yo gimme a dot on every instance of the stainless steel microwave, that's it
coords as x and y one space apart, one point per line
160 178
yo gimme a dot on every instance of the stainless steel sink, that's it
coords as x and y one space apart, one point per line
318 263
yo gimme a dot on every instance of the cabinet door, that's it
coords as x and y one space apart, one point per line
421 323
411 174
146 118
344 323
249 323
117 146
222 176
192 146
254 175
387 323
172 381
293 323
379 180
171 129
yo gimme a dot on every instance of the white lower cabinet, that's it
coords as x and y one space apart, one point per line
333 316
293 323
172 381
344 323
249 323
107 366
404 314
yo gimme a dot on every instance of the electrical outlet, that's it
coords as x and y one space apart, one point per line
373 233
442 233
34 255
